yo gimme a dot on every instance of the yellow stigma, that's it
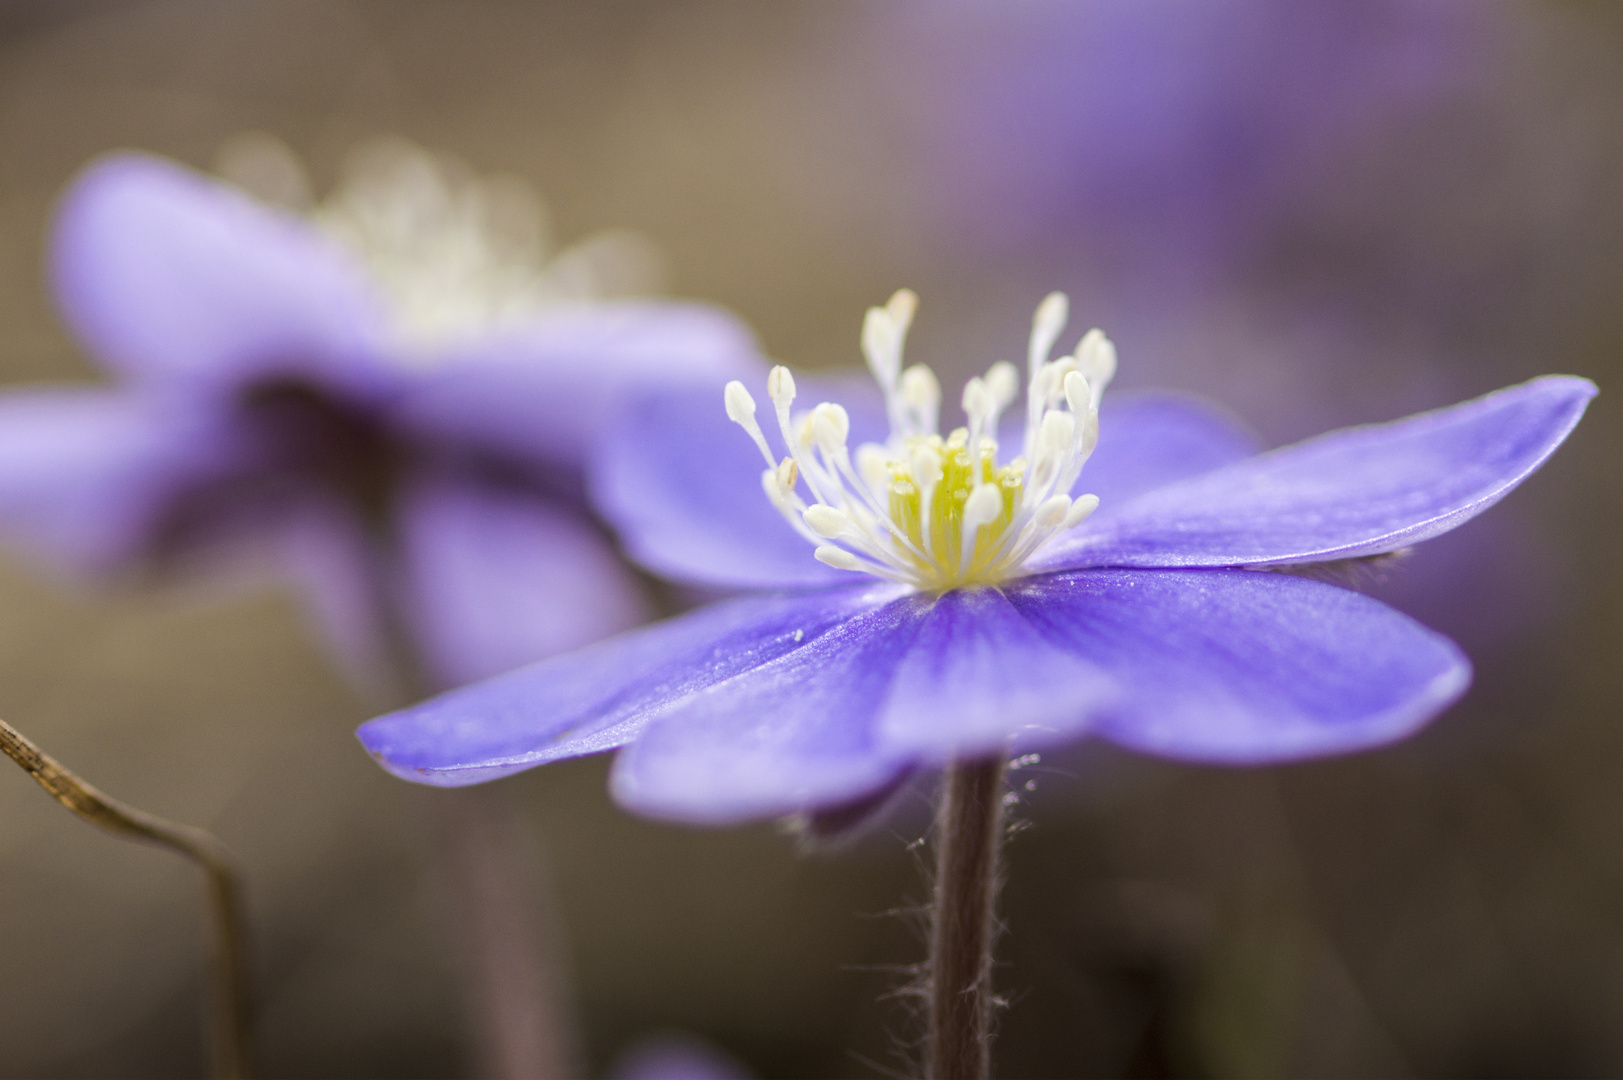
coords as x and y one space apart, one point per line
943 540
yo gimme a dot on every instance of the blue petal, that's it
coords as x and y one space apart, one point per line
790 736
681 484
979 675
602 696
544 391
87 474
1360 491
494 579
1245 667
164 273
1148 439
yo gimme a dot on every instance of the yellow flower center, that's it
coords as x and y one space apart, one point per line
931 512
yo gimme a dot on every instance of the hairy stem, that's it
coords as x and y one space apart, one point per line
229 1010
969 831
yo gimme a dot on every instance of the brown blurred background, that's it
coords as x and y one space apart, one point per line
1449 907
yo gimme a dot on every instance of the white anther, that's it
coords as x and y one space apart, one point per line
1079 511
920 390
1004 383
805 432
1046 326
925 467
787 474
880 346
1078 395
1096 357
740 406
830 426
873 465
827 522
741 410
1054 437
983 506
838 558
1090 433
780 386
901 305
978 400
1052 511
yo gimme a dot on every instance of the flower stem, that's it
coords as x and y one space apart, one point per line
229 1012
505 917
969 831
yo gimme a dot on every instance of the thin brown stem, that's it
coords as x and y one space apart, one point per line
229 1011
969 831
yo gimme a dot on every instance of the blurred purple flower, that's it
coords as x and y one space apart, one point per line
1154 129
676 1057
1007 614
378 398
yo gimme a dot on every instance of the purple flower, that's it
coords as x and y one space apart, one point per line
389 398
676 1057
1152 126
958 607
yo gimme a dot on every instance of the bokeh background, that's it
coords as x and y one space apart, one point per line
1318 214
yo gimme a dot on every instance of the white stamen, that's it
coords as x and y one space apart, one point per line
1077 394
454 254
921 394
1004 382
830 426
741 411
828 522
787 473
1096 358
901 305
881 511
926 468
1080 510
740 405
879 346
780 387
873 465
1054 437
982 507
1046 326
1052 511
838 558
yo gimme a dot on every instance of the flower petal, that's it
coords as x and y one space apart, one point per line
1356 492
1148 439
494 579
85 474
543 392
979 675
1246 667
681 484
602 696
791 736
164 273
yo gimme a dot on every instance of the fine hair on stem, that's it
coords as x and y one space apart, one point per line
969 835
